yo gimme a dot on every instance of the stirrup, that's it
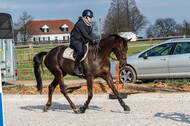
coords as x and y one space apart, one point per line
81 75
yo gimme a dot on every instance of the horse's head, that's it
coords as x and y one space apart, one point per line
120 49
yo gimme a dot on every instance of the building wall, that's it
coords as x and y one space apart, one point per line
47 37
50 37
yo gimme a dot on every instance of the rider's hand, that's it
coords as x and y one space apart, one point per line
96 41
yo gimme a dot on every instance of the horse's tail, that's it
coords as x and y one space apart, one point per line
37 61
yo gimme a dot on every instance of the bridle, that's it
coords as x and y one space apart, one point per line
98 47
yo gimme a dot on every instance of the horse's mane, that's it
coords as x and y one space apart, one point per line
117 37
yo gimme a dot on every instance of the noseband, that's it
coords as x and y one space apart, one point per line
118 58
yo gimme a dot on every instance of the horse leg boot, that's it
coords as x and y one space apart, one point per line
109 80
90 95
52 86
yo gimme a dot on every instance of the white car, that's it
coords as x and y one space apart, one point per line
170 59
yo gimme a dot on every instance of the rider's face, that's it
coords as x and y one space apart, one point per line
89 18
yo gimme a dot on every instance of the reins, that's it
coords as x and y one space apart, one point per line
96 53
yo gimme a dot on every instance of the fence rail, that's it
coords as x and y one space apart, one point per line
42 42
164 38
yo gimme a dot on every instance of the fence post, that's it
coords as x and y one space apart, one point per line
1 103
151 42
31 51
184 36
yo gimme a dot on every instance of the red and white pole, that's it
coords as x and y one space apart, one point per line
1 103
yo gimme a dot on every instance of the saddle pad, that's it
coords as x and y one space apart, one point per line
68 53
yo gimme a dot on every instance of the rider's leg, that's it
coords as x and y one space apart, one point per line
79 49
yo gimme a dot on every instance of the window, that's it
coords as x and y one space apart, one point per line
45 28
48 38
65 37
182 48
56 38
160 50
64 28
34 39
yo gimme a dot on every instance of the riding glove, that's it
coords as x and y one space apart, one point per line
96 41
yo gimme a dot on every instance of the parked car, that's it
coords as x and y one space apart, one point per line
167 60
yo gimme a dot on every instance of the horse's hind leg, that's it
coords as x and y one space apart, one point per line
52 86
109 80
64 92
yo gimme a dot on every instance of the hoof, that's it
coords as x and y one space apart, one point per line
76 111
126 108
45 109
82 110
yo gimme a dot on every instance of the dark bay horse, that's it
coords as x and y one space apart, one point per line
96 64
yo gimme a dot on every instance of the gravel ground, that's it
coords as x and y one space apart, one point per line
147 109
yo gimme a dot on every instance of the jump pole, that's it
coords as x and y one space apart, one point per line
117 75
122 95
1 103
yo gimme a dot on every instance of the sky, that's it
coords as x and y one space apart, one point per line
72 9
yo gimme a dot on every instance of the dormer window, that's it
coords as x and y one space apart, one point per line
64 28
45 28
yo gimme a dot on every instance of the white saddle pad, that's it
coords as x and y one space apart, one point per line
68 53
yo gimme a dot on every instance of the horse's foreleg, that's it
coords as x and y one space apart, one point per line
52 86
90 94
109 80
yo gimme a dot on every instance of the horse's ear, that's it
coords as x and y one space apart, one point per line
129 40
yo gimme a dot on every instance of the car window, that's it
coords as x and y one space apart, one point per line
182 48
160 50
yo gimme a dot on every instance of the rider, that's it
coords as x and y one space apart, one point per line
80 35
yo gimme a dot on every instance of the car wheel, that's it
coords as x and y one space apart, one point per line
127 75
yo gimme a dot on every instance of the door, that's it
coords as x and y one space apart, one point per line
179 62
154 62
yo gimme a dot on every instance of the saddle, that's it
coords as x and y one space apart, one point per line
69 53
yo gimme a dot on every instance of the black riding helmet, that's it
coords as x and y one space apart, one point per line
88 13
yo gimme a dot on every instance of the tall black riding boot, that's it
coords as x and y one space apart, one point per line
76 68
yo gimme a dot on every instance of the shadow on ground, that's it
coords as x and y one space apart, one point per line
58 107
179 117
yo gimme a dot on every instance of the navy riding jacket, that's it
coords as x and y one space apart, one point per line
81 32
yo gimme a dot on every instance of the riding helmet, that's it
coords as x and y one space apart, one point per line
88 13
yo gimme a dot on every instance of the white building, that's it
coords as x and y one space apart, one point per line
128 35
47 30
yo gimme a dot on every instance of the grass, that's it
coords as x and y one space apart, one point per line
178 83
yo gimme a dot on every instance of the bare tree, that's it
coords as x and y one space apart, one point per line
123 14
163 27
186 28
150 31
22 26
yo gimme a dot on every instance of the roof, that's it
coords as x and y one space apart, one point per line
179 40
5 26
35 27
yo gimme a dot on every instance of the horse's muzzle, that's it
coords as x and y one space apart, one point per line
122 63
